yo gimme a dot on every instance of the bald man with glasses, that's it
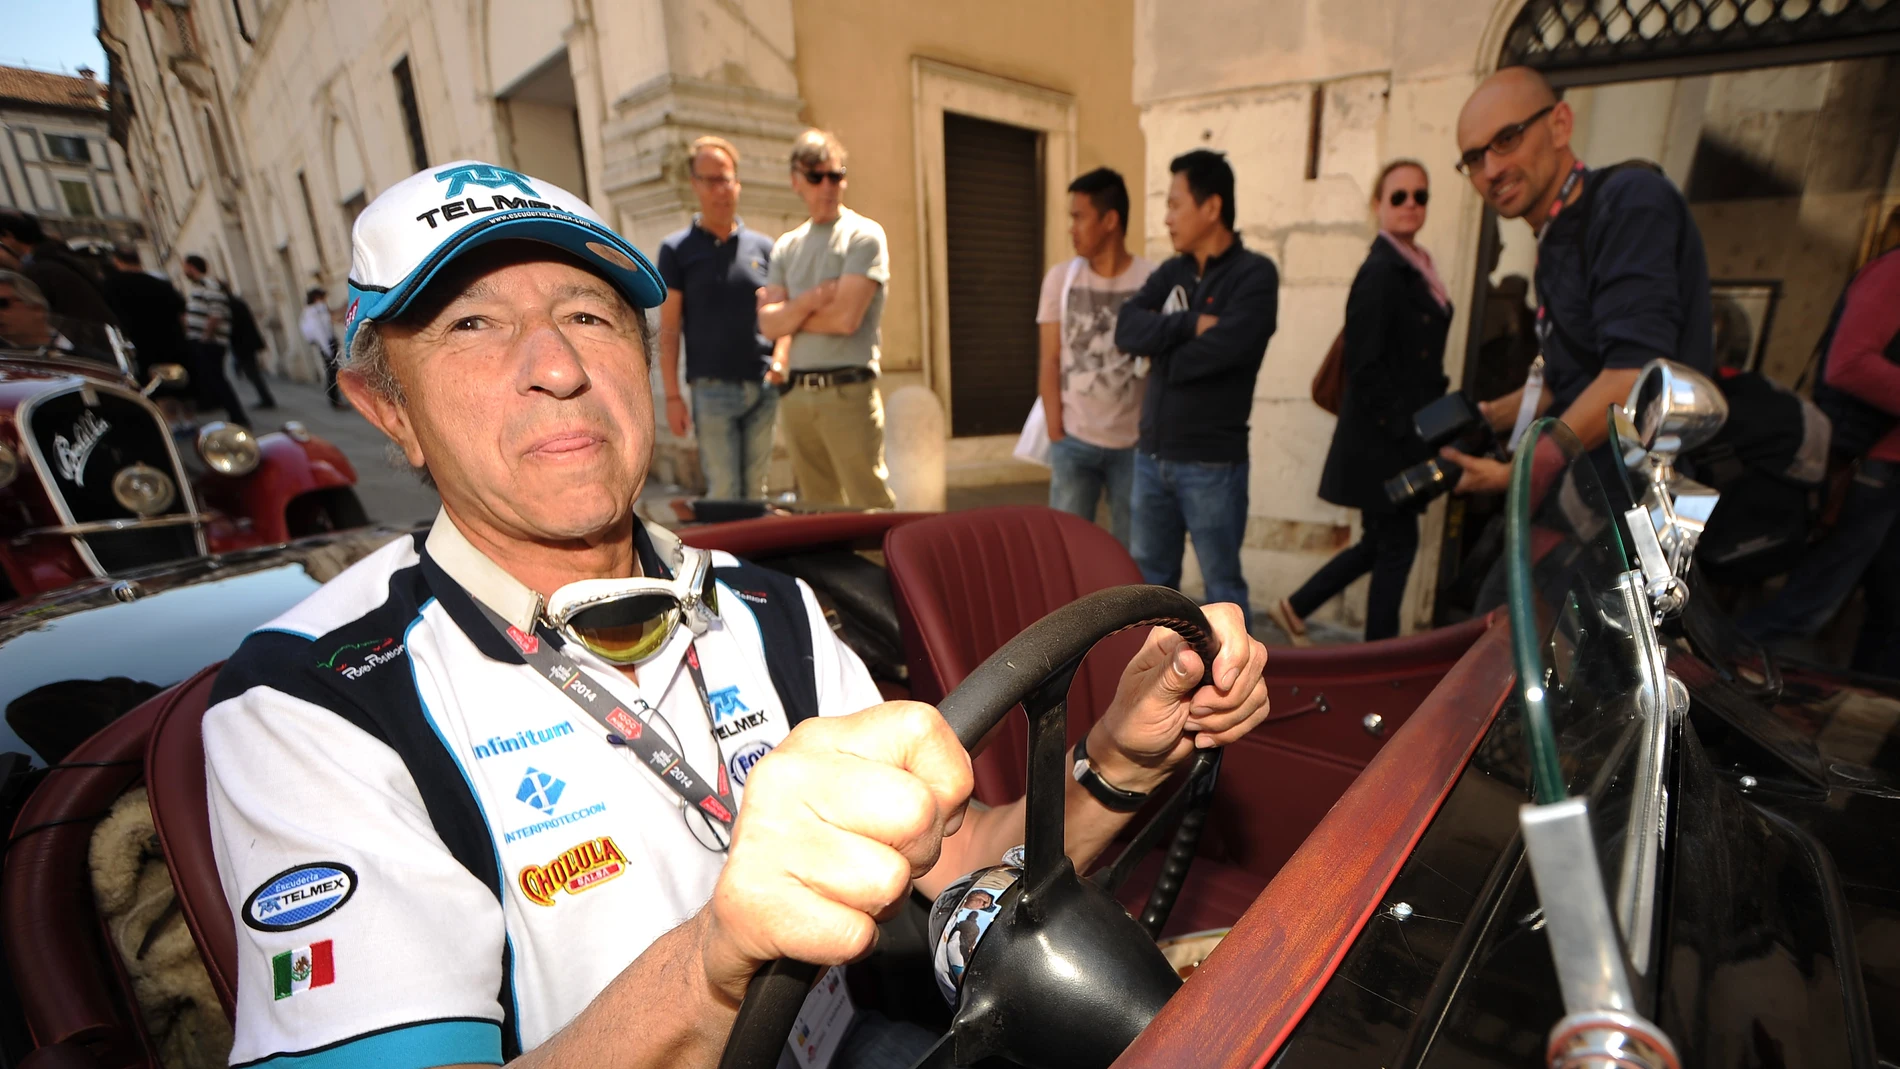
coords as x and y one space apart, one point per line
1622 277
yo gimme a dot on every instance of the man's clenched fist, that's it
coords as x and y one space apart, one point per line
835 824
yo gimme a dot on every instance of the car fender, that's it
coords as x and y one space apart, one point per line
287 469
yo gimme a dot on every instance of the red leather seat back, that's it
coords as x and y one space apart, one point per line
175 780
71 988
967 582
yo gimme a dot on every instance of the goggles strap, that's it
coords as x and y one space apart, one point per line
712 797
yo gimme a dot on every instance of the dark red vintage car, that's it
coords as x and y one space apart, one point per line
95 480
1594 829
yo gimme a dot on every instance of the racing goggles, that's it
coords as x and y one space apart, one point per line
625 621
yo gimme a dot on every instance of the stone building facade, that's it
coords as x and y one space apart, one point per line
263 126
57 161
258 128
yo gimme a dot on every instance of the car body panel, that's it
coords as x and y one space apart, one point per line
211 513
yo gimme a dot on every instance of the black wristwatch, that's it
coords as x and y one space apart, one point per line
1103 791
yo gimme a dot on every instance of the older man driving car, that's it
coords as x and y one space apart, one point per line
542 784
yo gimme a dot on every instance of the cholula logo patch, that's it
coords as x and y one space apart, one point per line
578 869
299 896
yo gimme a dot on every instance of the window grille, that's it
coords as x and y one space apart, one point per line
1556 35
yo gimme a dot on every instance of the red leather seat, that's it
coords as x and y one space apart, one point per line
175 781
73 992
967 582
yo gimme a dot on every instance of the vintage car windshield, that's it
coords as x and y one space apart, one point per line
1579 633
37 334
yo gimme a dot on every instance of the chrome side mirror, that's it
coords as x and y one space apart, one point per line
1674 408
1671 408
165 375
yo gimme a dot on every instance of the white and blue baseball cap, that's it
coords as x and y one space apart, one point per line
420 224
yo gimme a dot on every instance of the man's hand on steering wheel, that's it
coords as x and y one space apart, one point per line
837 822
1161 714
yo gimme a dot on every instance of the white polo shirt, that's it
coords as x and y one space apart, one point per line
431 855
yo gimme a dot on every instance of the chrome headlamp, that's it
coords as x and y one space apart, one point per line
227 448
143 489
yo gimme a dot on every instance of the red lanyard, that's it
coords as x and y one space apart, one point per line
1563 198
712 797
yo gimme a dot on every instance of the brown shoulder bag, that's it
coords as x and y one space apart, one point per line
1329 382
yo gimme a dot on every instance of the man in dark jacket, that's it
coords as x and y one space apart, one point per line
150 309
72 294
246 342
1203 319
1622 277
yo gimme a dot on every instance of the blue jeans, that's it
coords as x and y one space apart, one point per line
734 422
1206 502
1079 473
1851 555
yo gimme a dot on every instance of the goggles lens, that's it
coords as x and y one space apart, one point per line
628 629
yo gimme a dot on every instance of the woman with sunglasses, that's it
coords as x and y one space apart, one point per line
1396 319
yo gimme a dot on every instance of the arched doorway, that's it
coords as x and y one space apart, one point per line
1777 120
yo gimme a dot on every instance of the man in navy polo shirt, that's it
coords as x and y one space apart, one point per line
1622 277
713 269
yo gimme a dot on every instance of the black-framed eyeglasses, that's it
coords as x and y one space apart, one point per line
819 178
1421 197
1503 143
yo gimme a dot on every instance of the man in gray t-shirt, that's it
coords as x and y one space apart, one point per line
825 289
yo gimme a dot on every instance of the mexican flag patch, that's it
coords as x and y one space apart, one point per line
302 969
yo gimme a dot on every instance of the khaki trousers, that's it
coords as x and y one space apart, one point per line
836 438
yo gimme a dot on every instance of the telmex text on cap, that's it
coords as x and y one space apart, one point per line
423 222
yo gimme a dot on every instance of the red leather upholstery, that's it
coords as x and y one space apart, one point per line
175 763
72 993
768 535
967 582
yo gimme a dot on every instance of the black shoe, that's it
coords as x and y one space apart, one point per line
264 406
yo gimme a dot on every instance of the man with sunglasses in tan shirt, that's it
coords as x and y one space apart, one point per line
826 292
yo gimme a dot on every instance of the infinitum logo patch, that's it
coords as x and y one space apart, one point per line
521 740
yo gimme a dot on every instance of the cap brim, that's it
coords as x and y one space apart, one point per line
595 245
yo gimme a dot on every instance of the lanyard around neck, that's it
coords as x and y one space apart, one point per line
1563 198
1543 326
713 797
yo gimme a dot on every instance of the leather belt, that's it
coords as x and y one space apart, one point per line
826 378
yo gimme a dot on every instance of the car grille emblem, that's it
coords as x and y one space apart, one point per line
73 453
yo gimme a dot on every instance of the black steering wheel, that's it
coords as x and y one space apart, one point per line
1064 975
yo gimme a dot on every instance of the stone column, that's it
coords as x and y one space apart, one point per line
724 70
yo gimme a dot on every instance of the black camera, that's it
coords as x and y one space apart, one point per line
1453 420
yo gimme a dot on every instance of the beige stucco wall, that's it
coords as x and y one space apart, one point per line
854 72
